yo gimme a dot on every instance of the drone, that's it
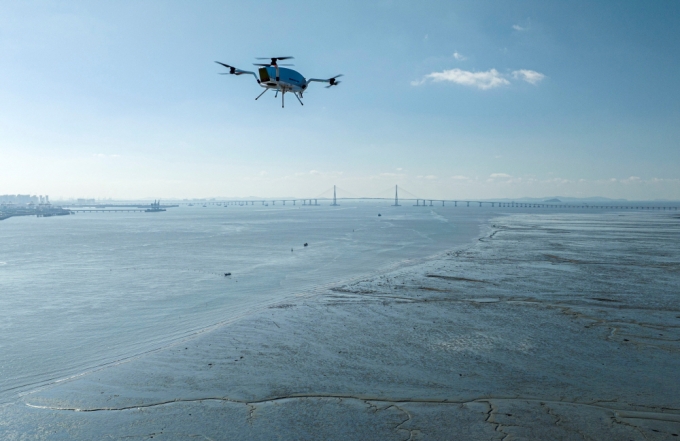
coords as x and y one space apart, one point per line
280 79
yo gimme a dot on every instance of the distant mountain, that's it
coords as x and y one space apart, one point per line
553 200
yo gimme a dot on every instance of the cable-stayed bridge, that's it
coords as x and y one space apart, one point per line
398 199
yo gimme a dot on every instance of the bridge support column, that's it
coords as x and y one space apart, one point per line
468 204
480 204
455 203
315 202
442 203
293 201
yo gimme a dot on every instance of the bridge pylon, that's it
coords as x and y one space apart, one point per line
335 201
396 196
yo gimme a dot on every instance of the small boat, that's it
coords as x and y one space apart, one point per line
227 274
379 214
305 243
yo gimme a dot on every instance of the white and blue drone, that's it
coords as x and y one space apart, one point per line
280 79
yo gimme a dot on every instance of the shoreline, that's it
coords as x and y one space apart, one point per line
477 342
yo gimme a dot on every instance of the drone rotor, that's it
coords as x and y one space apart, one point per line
332 82
232 69
273 60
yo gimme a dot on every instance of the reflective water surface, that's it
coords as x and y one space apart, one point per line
79 292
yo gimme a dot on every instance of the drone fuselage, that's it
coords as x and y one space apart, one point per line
288 80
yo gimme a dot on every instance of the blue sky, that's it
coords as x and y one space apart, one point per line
447 99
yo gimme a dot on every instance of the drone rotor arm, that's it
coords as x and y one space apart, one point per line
330 81
318 80
236 71
241 72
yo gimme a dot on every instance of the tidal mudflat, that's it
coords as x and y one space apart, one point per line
551 326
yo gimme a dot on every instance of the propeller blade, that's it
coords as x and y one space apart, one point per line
267 64
225 65
273 58
337 76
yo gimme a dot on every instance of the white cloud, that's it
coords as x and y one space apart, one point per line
530 76
460 178
499 175
520 28
481 80
458 56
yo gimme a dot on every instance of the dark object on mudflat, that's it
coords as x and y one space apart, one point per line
227 274
305 243
379 214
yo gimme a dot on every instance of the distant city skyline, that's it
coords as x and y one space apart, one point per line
468 100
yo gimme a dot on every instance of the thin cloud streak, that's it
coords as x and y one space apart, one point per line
483 80
530 76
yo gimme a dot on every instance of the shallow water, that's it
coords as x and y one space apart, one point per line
80 292
550 326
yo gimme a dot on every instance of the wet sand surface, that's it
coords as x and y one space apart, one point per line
548 327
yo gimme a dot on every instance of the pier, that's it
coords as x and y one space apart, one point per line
116 210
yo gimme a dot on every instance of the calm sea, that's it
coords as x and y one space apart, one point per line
82 292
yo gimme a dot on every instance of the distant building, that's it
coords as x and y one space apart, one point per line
18 199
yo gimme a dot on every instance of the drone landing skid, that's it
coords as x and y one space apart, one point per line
283 92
